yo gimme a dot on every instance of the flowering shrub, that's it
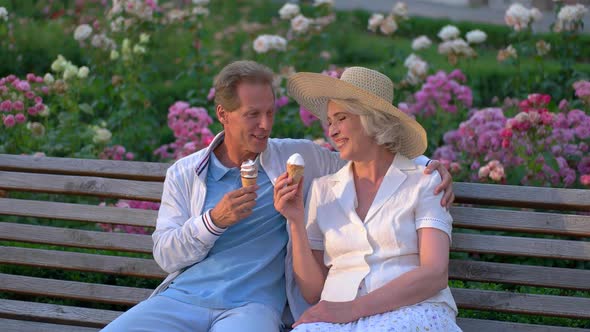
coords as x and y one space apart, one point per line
539 147
190 126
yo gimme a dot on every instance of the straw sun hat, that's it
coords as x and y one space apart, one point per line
370 87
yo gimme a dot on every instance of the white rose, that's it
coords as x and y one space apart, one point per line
3 14
446 47
83 72
138 49
400 9
421 43
476 37
261 44
300 24
82 32
278 43
419 68
70 71
59 64
375 21
448 32
317 3
388 26
48 78
144 38
200 11
571 13
517 16
45 112
288 11
411 59
101 136
535 14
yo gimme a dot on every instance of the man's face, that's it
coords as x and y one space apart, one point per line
249 126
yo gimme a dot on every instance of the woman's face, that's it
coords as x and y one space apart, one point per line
348 134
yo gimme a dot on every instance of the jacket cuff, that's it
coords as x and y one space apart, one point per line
422 160
207 230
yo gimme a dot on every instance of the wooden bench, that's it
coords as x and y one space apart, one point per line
495 226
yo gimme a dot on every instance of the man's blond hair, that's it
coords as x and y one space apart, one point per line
226 83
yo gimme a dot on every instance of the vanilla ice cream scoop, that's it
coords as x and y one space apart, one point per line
295 167
249 172
296 159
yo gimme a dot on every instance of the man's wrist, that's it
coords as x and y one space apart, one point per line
215 219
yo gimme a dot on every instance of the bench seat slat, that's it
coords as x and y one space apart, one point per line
518 274
522 196
138 170
11 325
57 314
76 237
521 246
72 289
81 185
520 221
78 212
483 325
128 266
543 305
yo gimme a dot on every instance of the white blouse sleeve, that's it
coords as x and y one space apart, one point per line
314 233
429 212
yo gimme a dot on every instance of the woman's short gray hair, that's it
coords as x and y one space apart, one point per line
383 127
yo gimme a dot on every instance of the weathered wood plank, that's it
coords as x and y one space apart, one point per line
81 185
11 325
544 305
78 212
72 290
521 221
521 246
482 325
57 314
519 274
76 238
522 196
131 170
129 266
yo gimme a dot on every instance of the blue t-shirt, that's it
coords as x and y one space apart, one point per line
247 262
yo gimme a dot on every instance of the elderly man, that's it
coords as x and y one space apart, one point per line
225 246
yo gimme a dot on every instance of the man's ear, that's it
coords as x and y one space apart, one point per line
221 114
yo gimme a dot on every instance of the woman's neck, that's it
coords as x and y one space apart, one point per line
373 169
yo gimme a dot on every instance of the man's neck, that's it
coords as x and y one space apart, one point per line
232 157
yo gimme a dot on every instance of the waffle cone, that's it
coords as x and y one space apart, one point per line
248 181
295 172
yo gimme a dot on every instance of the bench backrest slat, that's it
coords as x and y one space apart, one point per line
520 196
76 238
521 221
134 170
80 185
529 275
78 212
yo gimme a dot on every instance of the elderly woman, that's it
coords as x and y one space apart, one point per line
373 247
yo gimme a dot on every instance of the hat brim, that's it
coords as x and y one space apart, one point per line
313 91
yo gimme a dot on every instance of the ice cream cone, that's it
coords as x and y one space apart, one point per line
249 172
248 181
295 172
